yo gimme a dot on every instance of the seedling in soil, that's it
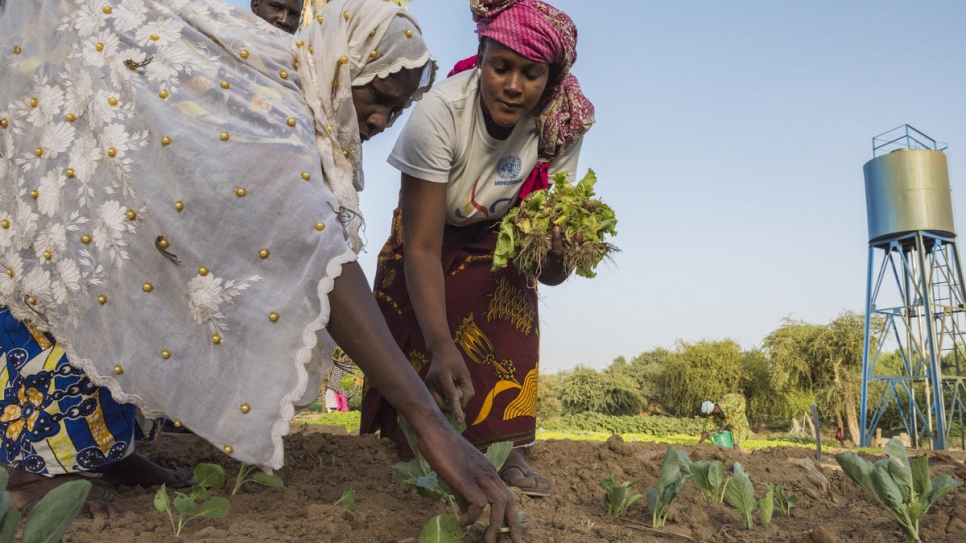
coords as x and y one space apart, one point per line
199 503
617 496
669 485
740 493
444 528
709 477
347 500
48 519
785 501
259 477
904 489
766 505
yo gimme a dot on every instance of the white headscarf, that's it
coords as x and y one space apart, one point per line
348 44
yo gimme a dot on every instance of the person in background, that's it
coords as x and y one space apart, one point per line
284 14
183 238
840 436
473 147
728 413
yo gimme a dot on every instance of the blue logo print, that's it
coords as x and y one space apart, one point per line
509 167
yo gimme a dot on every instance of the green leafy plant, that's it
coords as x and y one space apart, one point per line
199 503
904 489
669 484
347 500
709 476
526 230
245 475
766 505
740 493
785 501
617 495
49 519
443 528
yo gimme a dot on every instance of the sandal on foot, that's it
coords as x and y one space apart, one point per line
183 479
527 490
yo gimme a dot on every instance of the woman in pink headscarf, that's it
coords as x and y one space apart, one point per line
474 146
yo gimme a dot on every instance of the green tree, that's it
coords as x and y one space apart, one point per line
610 393
701 371
549 406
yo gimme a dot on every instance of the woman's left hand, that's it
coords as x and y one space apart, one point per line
552 270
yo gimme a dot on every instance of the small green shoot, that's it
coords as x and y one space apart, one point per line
259 477
766 505
740 494
669 485
709 477
199 503
785 501
617 496
444 528
347 500
904 489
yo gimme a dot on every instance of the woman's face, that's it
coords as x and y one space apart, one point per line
510 85
380 101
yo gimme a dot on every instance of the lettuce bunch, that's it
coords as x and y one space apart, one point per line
526 230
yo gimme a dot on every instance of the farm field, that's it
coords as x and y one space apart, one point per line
321 462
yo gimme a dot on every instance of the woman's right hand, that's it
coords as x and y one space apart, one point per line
448 380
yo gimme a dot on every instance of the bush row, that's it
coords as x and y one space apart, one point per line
628 424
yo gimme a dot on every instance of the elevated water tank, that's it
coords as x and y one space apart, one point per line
908 190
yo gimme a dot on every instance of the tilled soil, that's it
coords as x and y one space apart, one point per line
320 464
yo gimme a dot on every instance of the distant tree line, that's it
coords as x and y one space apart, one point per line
797 364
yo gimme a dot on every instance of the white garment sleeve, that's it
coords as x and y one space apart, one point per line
567 161
427 145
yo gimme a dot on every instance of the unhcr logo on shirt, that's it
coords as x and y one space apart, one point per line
508 168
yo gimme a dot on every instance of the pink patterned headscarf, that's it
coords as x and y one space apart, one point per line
541 33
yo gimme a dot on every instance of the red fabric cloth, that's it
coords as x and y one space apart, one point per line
494 321
537 180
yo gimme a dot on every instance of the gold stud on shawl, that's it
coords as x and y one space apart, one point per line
245 408
291 121
39 152
31 300
372 33
10 272
319 19
241 192
102 299
225 85
70 173
224 136
118 369
34 194
154 37
328 128
161 244
4 123
48 255
99 46
147 287
306 176
70 117
17 50
33 102
165 354
374 54
345 152
299 44
263 254
131 214
111 152
345 15
343 59
408 33
216 339
165 141
320 226
112 101
229 449
177 423
243 53
202 271
86 239
179 205
4 223
273 316
107 10
163 94
283 74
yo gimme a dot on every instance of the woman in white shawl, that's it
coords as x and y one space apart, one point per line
179 227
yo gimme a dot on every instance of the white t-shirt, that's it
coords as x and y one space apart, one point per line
445 141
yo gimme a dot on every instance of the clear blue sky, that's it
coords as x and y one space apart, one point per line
730 140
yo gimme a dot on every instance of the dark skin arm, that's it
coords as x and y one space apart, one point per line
423 208
359 328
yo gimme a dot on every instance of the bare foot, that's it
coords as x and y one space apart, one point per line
516 472
138 470
26 489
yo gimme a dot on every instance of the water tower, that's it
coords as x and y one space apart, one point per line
914 353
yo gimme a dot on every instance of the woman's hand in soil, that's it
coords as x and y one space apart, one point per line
474 481
552 270
448 380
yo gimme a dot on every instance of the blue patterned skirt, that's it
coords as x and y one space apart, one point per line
53 420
